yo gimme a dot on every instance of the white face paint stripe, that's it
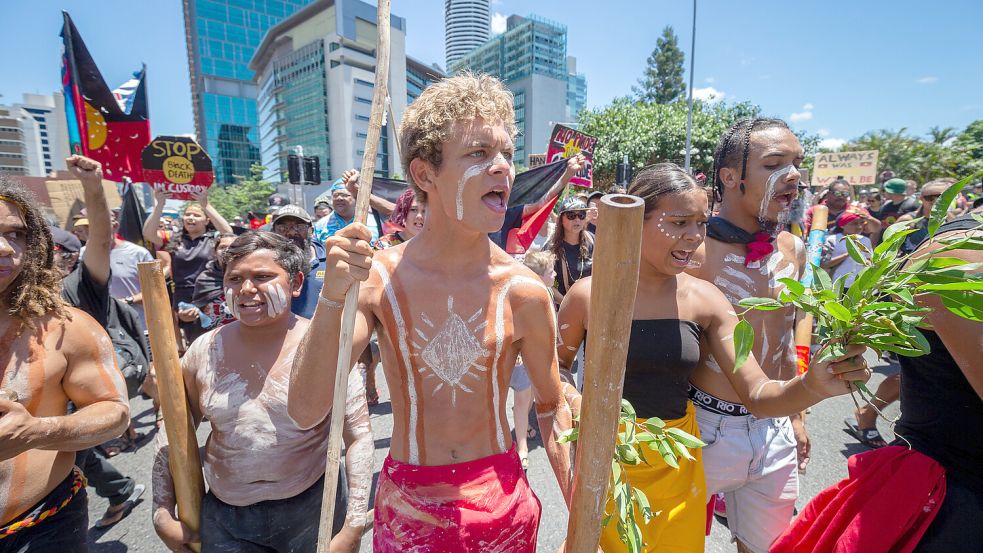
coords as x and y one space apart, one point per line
230 303
470 172
404 350
770 189
499 344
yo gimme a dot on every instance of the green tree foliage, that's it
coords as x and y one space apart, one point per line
944 152
662 81
248 194
650 133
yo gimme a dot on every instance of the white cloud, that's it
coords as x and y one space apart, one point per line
807 107
710 80
832 143
822 132
927 80
708 94
800 116
498 23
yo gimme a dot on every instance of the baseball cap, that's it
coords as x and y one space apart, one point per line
573 204
294 211
82 222
66 240
895 186
323 199
595 194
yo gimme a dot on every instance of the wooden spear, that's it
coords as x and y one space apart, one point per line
351 300
617 251
182 449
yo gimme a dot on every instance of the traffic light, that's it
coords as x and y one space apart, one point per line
312 170
294 175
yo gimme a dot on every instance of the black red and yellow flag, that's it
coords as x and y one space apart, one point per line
98 127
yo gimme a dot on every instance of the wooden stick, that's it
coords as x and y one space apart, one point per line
182 449
617 252
351 300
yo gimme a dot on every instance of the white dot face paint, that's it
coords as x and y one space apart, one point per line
276 299
474 171
773 179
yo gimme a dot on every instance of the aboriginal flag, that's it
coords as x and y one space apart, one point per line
98 127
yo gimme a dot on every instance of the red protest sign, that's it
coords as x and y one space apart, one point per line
177 165
566 142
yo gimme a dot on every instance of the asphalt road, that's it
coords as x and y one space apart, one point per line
830 449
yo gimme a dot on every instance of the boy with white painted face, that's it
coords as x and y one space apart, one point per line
264 474
752 460
452 311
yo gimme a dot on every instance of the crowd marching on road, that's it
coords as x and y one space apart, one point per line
456 322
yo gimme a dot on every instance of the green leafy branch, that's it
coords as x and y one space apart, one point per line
669 443
879 309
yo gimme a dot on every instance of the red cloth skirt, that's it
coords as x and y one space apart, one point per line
480 505
886 503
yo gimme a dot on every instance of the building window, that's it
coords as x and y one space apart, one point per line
361 100
361 117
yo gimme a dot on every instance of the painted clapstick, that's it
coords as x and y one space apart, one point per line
613 286
182 449
814 254
351 300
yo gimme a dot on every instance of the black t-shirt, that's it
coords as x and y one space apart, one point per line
890 211
120 321
188 261
578 267
513 219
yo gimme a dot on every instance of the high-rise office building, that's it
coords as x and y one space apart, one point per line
315 71
222 36
467 25
33 135
530 57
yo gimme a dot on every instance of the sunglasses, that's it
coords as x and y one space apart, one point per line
572 215
841 194
931 197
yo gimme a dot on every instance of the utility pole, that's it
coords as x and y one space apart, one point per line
689 114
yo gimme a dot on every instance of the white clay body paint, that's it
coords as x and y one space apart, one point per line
770 191
230 303
474 171
276 299
453 352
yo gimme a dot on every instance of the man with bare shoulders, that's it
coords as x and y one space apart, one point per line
752 461
265 475
50 354
452 312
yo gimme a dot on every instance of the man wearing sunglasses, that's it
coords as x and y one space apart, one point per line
838 199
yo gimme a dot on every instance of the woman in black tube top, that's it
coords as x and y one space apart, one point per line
674 315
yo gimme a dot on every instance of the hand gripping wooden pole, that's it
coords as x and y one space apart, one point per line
351 300
617 251
182 448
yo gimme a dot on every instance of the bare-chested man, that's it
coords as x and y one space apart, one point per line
752 461
50 354
265 475
452 312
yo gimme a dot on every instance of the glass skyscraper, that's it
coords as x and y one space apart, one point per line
222 36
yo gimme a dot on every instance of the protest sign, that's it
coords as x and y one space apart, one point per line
536 160
177 165
858 168
566 142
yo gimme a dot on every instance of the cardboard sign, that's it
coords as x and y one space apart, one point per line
537 160
177 165
858 168
566 142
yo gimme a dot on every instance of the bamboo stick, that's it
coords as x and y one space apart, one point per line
617 252
351 300
182 450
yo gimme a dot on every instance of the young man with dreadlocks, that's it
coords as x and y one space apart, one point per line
50 354
753 460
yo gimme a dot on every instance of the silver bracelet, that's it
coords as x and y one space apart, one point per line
331 304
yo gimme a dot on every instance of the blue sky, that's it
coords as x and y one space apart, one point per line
838 68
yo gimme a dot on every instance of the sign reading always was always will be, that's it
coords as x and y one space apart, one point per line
178 166
858 168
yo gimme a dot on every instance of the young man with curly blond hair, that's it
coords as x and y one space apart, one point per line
50 354
453 311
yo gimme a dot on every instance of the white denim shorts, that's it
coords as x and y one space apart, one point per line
753 462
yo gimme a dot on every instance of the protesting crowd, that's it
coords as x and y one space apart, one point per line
455 322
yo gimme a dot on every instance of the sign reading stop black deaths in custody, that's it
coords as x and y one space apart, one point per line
178 166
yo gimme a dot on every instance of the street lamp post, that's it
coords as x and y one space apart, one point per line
689 114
